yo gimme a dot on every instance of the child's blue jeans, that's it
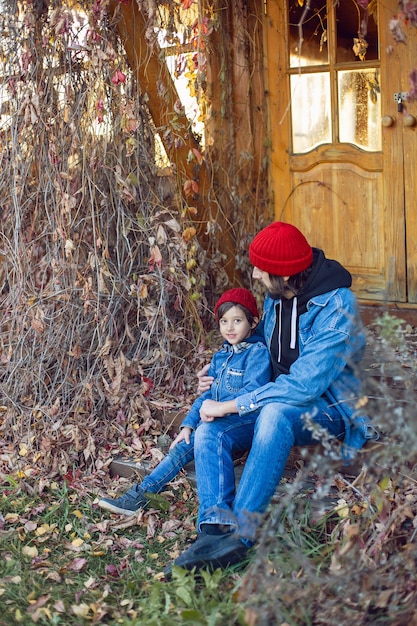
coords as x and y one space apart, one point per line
181 454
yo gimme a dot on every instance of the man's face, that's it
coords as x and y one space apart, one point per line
265 279
258 274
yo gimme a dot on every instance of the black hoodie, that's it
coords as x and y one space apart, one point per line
326 275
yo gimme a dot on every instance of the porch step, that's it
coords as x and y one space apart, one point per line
128 468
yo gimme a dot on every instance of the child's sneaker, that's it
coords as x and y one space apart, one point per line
127 504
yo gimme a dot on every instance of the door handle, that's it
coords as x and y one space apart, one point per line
388 120
409 120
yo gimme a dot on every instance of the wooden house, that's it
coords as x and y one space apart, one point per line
313 122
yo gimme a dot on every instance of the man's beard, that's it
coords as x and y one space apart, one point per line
281 292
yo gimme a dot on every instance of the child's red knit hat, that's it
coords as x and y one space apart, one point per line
280 249
238 296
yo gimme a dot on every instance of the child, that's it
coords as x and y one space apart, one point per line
240 366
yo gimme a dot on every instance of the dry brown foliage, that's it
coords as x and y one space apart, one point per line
101 274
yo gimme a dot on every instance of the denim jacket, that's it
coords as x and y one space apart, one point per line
331 345
243 367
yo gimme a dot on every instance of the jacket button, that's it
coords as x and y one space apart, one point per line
251 406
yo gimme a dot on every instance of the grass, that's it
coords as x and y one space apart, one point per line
66 562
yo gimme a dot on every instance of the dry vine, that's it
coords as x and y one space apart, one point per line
99 300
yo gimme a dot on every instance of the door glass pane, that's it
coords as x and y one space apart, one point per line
360 108
308 33
310 111
356 32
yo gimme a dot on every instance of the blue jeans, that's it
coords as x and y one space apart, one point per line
270 438
169 467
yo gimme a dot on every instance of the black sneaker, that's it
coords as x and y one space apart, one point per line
127 504
211 552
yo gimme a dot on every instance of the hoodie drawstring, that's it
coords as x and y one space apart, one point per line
293 341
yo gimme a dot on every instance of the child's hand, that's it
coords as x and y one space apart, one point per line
183 435
204 382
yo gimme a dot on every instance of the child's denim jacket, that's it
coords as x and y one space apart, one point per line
243 367
331 345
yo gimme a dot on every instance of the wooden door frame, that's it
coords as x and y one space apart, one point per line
280 128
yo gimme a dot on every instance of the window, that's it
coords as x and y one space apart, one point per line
334 75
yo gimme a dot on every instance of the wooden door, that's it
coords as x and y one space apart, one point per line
343 155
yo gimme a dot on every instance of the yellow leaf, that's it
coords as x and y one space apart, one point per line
80 610
385 483
30 551
78 514
23 449
342 508
77 542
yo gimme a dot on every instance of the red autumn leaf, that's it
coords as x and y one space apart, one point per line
155 258
190 187
199 157
71 477
147 385
118 77
112 570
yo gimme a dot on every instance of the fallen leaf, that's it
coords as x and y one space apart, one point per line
30 551
77 564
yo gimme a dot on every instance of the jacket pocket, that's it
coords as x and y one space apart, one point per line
234 379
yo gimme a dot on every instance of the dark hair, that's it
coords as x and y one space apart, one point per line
294 284
226 306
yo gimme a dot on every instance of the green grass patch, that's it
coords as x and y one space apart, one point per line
64 561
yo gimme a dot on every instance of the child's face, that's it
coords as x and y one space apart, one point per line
234 327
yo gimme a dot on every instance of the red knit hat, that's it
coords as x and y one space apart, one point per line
238 296
280 249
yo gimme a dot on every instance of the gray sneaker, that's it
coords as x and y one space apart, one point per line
127 504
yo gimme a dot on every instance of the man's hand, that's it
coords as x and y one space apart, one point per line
211 409
204 382
184 435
